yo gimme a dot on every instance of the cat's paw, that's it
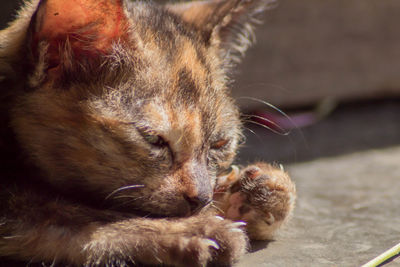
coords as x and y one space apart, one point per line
213 240
194 241
261 195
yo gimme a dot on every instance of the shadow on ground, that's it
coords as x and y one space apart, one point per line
349 128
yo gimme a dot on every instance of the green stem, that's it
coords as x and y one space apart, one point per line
388 254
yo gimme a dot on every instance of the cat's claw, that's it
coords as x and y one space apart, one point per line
270 219
236 230
211 243
238 224
217 240
237 227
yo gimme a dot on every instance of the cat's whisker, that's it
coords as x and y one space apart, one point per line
131 260
273 107
267 127
216 201
217 208
250 130
220 193
274 124
250 116
200 208
268 105
147 215
256 135
123 188
123 196
180 138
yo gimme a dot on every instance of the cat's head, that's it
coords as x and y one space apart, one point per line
127 102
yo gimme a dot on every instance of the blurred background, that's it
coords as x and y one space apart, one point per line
320 92
334 67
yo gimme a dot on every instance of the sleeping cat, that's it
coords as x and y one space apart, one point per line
117 134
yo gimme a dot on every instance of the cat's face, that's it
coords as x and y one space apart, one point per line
146 125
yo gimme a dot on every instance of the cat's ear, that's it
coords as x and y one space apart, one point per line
227 23
62 31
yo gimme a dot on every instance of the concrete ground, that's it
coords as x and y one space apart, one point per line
347 172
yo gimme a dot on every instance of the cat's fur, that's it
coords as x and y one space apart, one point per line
115 124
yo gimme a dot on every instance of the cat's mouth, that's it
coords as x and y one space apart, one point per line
179 209
169 214
150 207
158 214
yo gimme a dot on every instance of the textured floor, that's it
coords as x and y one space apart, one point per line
347 172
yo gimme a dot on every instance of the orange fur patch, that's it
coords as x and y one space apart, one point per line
89 25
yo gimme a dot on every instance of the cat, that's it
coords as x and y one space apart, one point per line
118 134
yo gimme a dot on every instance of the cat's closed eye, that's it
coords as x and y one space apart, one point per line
153 139
220 144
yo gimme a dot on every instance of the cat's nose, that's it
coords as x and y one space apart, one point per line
197 202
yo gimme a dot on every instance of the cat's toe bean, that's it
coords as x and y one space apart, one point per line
252 172
263 197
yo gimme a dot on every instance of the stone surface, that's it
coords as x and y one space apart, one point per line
347 212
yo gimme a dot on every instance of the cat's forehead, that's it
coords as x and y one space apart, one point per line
171 74
175 123
173 60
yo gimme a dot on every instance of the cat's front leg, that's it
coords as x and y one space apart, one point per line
56 231
261 195
193 241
